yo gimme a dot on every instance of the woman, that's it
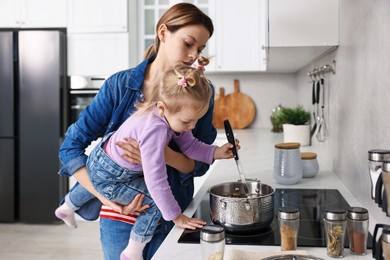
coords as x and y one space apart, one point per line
181 35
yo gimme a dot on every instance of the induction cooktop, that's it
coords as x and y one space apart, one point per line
311 204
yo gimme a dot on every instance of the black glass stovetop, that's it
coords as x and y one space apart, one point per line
311 204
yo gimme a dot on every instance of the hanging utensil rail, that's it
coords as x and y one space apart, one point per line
319 73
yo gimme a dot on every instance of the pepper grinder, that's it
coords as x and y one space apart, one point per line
357 227
335 226
375 158
288 226
212 241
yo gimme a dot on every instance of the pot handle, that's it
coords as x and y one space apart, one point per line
246 203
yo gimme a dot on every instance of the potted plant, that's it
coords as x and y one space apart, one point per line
296 125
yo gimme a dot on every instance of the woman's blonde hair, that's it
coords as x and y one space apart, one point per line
176 17
183 86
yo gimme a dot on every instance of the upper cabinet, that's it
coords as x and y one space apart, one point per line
33 13
99 37
97 16
239 41
240 32
300 31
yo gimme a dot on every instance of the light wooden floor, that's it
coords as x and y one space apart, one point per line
33 242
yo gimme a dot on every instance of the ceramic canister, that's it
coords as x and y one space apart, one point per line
310 164
288 167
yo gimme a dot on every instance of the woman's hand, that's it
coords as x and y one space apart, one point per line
191 223
131 150
135 205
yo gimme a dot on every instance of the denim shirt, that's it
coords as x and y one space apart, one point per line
113 104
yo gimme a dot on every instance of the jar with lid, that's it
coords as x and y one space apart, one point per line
381 248
335 227
375 159
386 184
357 227
212 241
288 218
310 164
288 168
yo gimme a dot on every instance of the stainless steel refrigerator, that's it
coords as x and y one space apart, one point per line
32 121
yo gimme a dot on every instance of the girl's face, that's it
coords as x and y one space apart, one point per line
183 47
183 120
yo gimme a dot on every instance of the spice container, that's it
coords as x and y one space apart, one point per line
357 227
335 227
381 248
288 218
375 159
386 183
288 167
212 241
310 164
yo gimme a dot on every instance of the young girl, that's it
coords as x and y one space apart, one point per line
177 103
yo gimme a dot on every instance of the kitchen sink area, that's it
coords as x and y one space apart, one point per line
310 195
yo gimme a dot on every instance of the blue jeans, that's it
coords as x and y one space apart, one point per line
118 185
114 237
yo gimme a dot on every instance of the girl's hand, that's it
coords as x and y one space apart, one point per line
225 151
131 150
191 223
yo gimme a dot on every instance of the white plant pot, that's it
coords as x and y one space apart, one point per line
296 133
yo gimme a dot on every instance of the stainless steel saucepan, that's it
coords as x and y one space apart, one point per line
232 208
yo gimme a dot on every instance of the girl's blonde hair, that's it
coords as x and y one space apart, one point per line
176 17
195 93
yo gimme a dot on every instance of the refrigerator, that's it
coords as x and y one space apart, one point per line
33 118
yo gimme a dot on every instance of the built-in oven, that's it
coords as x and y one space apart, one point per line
81 93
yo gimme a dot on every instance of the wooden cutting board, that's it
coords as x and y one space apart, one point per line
237 107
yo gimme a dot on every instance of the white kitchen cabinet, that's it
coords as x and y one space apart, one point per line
97 16
33 13
303 23
97 54
150 12
240 37
300 31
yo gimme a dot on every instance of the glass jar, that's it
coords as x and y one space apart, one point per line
288 218
288 168
357 227
385 240
335 227
386 184
375 159
310 164
212 241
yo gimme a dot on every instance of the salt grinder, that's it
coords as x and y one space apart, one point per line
288 225
357 227
386 184
335 227
375 158
212 241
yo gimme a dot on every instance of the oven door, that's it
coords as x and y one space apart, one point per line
79 100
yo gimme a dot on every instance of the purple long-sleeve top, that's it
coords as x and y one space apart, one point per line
152 132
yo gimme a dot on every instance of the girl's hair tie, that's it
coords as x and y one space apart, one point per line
182 82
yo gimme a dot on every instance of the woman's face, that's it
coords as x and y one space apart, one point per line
183 47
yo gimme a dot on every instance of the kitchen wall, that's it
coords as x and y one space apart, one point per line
266 90
358 95
356 109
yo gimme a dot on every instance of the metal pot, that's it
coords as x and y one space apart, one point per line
232 208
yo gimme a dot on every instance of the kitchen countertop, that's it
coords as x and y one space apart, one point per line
256 155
